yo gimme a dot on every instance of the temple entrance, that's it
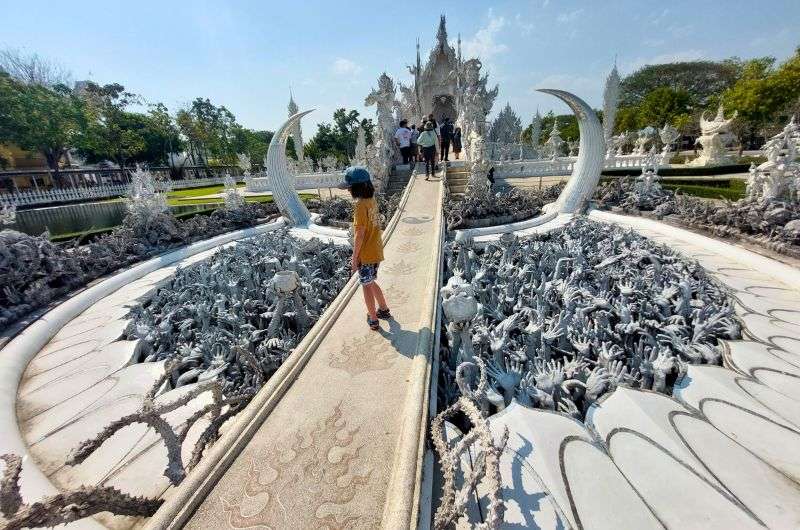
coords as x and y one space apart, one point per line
444 106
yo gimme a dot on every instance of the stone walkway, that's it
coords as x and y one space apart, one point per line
347 431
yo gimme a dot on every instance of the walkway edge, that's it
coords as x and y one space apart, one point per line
184 500
403 494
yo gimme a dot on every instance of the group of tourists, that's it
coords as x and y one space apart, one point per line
419 143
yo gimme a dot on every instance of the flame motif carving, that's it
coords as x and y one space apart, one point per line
323 461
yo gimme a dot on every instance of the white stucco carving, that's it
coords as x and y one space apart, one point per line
715 136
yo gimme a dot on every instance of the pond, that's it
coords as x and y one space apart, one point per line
72 218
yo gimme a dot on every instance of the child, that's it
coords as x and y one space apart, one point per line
367 243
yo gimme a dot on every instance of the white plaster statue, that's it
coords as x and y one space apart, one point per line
714 138
385 150
644 138
668 135
536 134
779 176
610 104
554 144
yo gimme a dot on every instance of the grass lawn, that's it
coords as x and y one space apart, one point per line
734 191
181 197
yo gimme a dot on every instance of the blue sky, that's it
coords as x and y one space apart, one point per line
246 54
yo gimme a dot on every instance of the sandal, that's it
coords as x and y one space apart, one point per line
374 325
384 314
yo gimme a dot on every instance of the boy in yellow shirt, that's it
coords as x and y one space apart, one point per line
367 245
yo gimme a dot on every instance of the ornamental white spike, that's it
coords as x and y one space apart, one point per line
586 171
281 180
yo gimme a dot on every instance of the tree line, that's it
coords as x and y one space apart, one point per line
43 111
765 94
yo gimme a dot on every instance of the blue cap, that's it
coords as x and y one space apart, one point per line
354 175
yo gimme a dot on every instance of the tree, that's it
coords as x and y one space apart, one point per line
40 118
700 79
210 131
253 143
31 69
113 132
765 96
339 139
664 105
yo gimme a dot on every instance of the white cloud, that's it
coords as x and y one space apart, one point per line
570 16
484 44
545 3
525 27
342 66
676 57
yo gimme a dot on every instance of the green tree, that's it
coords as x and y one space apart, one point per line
701 79
338 139
40 118
765 96
113 132
209 130
664 105
254 143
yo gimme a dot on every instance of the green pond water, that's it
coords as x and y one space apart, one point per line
73 218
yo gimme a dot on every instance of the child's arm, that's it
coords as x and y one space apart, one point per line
358 242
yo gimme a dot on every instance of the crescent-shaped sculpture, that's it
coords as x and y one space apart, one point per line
581 184
591 153
281 180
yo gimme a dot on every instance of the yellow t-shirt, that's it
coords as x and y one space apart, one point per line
366 215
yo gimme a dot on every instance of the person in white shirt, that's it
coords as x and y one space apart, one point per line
403 139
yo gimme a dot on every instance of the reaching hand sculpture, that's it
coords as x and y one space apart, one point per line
567 318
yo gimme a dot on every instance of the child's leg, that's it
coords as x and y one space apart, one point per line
369 300
377 292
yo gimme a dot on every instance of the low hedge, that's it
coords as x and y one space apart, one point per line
681 171
733 192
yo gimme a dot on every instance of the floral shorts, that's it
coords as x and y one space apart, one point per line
367 273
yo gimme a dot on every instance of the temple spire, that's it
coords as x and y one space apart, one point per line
441 35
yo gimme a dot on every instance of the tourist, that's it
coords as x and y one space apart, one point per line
490 178
403 139
367 243
427 141
445 137
414 148
457 142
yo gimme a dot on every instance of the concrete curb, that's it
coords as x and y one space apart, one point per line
404 491
16 355
181 504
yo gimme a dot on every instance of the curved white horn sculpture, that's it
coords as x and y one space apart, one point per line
581 184
591 152
281 181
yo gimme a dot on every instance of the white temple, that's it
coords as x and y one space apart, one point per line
448 86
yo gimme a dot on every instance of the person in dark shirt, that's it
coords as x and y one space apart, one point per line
445 137
457 142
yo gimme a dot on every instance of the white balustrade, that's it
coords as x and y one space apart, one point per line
99 191
563 165
306 181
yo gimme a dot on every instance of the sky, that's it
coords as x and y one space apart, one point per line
247 55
